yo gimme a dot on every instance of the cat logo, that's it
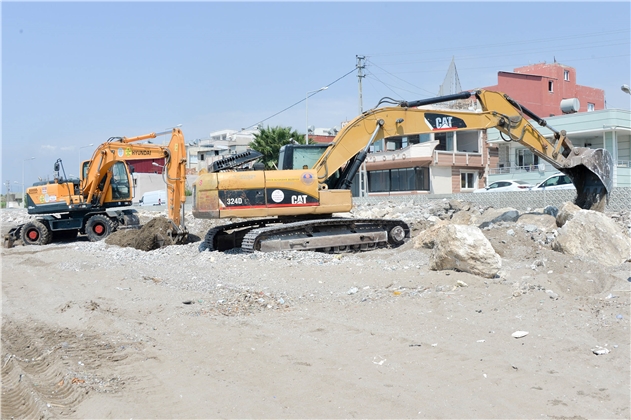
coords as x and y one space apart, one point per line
298 199
443 121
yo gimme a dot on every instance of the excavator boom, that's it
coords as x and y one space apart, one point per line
589 169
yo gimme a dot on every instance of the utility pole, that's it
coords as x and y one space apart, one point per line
360 75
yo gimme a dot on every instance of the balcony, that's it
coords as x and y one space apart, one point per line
513 170
444 158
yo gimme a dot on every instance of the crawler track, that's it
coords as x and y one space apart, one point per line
331 235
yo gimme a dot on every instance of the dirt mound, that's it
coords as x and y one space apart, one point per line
152 235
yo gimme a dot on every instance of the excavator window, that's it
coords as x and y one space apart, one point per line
120 182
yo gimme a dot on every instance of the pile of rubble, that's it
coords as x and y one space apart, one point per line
453 230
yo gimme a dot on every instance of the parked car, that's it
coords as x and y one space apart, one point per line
154 198
509 185
558 181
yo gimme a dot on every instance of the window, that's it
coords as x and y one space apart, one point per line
467 180
120 182
404 179
445 141
379 181
524 157
590 107
550 86
566 75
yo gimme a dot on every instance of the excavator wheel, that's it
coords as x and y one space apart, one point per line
35 233
99 227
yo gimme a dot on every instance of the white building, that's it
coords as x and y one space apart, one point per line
203 152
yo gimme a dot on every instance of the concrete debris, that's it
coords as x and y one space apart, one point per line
541 221
464 248
593 236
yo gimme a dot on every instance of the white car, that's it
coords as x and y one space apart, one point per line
154 198
558 181
508 185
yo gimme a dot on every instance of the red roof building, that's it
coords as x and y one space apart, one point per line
541 88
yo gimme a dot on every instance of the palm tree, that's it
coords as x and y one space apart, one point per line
269 141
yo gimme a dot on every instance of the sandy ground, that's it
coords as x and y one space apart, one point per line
91 330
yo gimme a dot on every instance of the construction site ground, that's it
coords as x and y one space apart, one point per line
103 330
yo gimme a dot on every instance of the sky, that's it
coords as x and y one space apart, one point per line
78 73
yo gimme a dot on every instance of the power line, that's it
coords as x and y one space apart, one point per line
505 44
512 53
411 84
299 102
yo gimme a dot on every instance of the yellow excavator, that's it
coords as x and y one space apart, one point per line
293 208
97 203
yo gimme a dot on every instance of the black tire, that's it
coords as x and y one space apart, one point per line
99 227
35 233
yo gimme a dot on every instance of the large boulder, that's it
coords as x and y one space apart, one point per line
566 213
493 215
464 248
427 237
594 236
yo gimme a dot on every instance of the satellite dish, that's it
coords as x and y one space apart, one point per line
311 128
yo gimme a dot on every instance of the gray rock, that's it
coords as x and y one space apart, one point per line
592 235
497 215
464 248
551 210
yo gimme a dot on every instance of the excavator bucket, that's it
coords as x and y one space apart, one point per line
178 235
591 172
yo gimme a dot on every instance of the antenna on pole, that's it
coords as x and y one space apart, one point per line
360 75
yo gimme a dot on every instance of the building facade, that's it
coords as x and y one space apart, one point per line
543 87
609 129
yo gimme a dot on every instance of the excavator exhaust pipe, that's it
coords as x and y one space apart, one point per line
591 172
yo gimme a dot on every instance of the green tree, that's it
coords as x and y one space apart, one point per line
269 141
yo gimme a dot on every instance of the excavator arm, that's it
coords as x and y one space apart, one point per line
99 176
589 169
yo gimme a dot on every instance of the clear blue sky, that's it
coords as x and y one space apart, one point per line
76 73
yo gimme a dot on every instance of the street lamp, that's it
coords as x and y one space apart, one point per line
313 92
625 88
23 162
83 147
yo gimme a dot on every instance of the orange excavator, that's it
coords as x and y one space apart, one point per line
97 203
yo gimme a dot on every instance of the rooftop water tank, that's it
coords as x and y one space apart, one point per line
570 106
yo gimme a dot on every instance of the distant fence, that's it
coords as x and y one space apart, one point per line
619 199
